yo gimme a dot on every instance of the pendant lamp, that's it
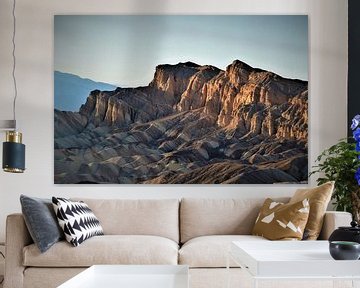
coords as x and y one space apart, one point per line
13 149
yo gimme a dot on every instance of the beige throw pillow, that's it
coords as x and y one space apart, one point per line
279 221
319 198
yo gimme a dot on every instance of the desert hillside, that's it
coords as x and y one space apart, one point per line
191 124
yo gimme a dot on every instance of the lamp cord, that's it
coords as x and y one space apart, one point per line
2 280
14 60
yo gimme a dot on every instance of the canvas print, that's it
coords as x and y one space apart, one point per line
165 99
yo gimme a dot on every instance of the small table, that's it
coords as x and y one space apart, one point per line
292 260
131 276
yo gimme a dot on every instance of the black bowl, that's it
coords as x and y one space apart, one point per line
344 250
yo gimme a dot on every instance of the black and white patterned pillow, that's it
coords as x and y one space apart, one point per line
77 220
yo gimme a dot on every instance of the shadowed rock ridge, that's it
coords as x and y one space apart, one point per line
191 124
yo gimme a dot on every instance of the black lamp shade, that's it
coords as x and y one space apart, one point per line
13 157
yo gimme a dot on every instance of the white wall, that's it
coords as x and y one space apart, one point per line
328 66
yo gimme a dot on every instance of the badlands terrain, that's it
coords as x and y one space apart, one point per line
192 124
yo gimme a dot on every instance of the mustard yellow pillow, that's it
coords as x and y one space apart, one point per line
319 198
279 221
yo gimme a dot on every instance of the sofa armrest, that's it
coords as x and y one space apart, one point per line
333 220
17 237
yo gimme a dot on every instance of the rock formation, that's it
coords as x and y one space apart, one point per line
191 124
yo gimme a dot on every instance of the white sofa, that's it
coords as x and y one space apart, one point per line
194 232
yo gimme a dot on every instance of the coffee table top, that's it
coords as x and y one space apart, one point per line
131 276
291 259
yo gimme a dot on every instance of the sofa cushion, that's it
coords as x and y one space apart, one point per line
35 277
211 251
319 198
76 220
279 221
107 249
201 217
41 221
158 217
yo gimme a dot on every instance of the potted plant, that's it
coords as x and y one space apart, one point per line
341 163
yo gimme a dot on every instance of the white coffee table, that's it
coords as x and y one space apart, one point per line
292 260
131 276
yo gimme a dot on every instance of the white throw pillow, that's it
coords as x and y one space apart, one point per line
76 220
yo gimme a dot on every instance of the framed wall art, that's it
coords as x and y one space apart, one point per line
158 99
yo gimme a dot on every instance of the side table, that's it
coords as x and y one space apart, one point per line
293 264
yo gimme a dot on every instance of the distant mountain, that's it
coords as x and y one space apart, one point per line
192 124
71 91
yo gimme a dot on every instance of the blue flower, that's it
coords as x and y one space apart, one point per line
355 122
356 134
357 176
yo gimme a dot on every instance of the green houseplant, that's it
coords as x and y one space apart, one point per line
341 163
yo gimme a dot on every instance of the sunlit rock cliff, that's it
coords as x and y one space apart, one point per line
191 124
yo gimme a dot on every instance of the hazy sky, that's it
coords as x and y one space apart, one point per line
124 50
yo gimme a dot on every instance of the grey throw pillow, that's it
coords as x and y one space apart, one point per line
41 221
